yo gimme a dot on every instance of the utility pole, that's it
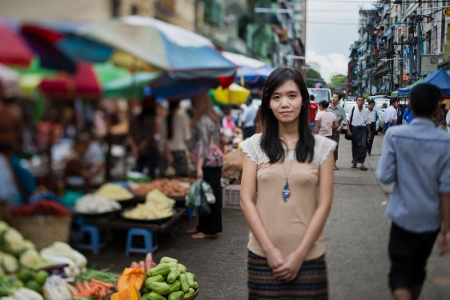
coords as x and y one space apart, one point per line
418 54
391 60
401 62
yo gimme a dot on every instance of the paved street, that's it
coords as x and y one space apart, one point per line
357 234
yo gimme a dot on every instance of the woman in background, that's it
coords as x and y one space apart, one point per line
175 136
207 162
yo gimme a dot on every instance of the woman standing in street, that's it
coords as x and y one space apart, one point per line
373 117
175 136
207 162
286 194
325 121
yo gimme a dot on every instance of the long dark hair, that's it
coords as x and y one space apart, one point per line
271 143
173 106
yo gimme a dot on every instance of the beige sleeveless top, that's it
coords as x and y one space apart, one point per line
286 223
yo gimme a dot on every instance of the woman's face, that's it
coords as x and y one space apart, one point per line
371 105
286 102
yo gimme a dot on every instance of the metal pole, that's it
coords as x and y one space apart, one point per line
418 54
391 52
401 63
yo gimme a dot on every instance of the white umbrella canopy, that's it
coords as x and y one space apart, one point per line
9 79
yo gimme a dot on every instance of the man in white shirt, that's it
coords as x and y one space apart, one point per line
447 120
390 115
247 119
358 127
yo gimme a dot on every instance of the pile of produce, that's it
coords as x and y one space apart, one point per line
169 280
114 192
156 206
94 204
170 187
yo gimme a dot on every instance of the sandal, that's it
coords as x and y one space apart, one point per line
363 168
353 166
201 235
336 168
192 231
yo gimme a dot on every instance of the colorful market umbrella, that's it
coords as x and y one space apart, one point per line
157 46
13 49
251 72
131 87
234 94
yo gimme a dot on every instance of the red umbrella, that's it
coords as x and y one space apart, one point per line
13 50
83 83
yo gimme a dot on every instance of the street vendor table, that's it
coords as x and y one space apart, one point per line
120 223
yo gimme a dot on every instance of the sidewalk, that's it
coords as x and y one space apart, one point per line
356 231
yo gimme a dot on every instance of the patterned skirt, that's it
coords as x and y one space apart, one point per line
311 282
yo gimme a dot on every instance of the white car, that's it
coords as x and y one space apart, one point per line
380 107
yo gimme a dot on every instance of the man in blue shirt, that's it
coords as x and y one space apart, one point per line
417 159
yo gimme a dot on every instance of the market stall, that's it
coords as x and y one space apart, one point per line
45 266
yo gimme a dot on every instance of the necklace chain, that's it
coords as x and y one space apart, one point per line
289 171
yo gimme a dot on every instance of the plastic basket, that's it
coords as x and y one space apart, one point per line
232 196
43 230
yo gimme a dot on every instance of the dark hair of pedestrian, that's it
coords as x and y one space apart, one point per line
392 100
339 95
311 97
370 101
271 143
324 103
424 99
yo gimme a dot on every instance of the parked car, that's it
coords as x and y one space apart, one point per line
320 94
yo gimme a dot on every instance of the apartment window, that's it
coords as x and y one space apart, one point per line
435 36
427 42
115 5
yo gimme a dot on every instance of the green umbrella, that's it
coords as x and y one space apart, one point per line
131 86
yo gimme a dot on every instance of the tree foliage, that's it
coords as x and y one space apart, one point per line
312 77
338 80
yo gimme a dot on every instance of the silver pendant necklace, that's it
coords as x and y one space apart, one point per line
286 193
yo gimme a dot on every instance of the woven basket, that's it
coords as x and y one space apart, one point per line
43 230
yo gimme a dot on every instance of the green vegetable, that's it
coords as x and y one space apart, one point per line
24 274
33 285
176 295
183 269
161 269
29 258
195 286
173 274
174 287
157 278
40 277
161 288
184 283
190 278
155 296
102 275
7 286
11 241
9 263
168 260
189 293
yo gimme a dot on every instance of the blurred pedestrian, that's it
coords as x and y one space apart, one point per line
258 121
447 120
390 115
325 121
144 146
439 118
313 108
407 114
420 203
359 130
175 136
339 112
286 194
373 118
247 118
207 161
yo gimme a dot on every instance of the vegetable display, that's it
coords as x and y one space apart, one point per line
169 280
114 192
170 187
95 204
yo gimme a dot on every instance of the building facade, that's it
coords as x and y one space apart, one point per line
400 42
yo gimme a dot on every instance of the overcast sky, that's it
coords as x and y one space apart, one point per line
331 28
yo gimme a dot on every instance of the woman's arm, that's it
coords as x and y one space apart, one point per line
248 200
318 124
292 263
335 125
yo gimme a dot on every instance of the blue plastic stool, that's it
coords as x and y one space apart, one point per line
149 246
94 242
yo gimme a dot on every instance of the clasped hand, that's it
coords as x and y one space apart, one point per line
284 268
